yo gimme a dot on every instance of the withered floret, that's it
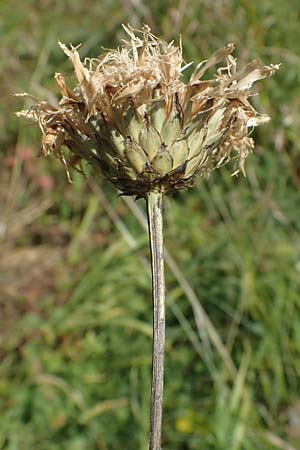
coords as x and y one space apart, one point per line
135 120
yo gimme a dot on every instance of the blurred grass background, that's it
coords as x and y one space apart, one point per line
75 335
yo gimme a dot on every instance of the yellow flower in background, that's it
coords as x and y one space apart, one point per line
135 120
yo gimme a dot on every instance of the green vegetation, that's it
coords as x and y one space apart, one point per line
75 335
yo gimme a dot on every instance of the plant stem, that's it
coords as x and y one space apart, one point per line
155 223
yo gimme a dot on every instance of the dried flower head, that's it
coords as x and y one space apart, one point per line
135 120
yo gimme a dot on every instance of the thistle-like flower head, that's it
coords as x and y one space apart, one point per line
135 120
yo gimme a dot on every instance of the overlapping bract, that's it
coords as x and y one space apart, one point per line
138 123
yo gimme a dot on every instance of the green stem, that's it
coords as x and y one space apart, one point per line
154 204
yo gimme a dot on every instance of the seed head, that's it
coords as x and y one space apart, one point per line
135 120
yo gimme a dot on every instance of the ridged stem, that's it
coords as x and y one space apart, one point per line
155 222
